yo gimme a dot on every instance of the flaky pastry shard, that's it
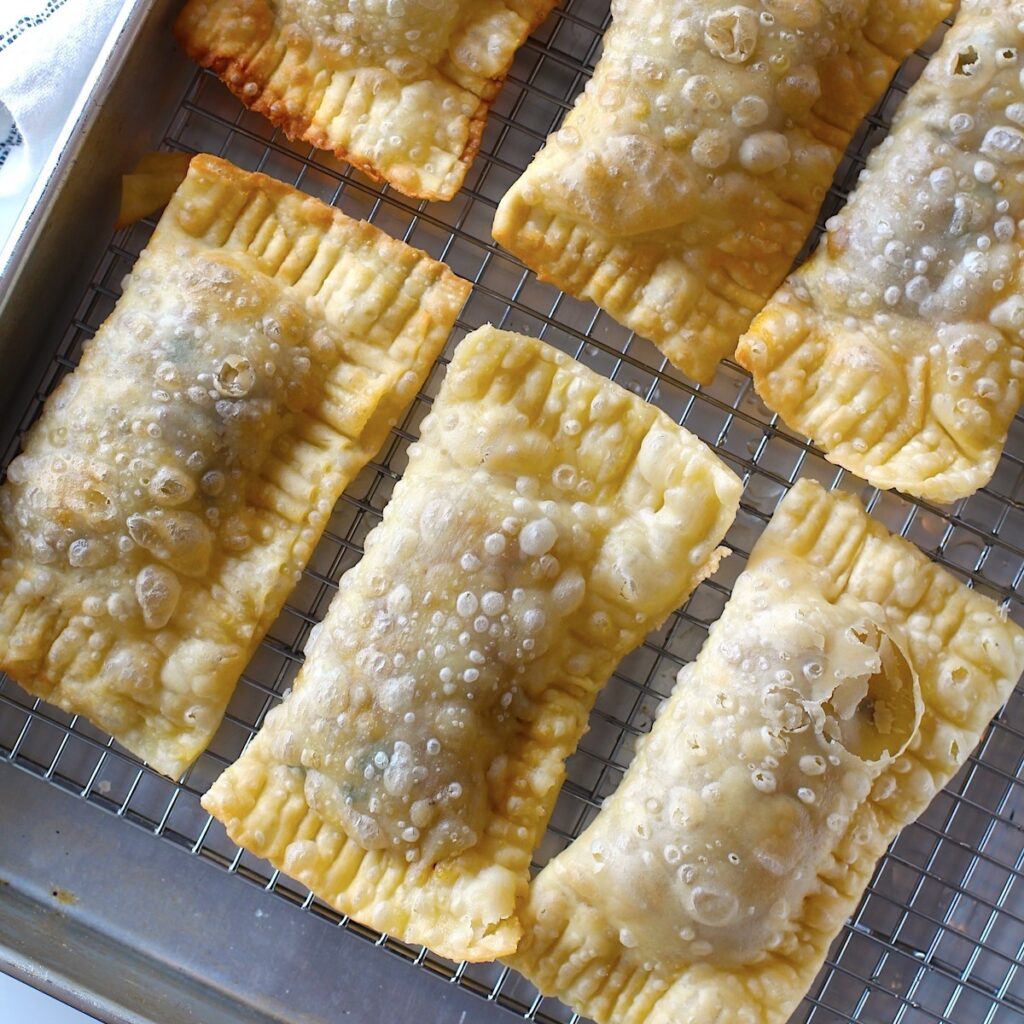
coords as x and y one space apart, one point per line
899 347
846 681
177 482
547 521
399 89
688 175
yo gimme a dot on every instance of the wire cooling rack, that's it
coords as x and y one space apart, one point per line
939 936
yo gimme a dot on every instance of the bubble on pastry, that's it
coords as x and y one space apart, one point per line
813 670
711 148
961 123
235 377
700 91
466 604
732 34
492 603
538 537
711 907
943 181
568 136
764 152
435 517
985 171
750 111
812 764
534 620
1004 143
564 477
800 89
568 593
397 777
763 780
157 590
399 600
88 553
170 486
179 538
397 693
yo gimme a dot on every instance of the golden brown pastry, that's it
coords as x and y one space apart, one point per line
898 346
845 683
688 175
547 521
172 491
399 88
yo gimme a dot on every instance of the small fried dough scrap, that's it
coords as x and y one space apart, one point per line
150 186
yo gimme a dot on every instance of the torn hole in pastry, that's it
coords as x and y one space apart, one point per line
876 718
965 61
853 687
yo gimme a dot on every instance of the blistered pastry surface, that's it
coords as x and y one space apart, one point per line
844 684
399 89
174 487
547 521
898 346
689 173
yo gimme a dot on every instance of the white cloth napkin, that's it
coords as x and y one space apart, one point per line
47 49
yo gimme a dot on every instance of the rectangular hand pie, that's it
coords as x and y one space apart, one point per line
899 347
174 487
845 683
547 521
688 175
399 89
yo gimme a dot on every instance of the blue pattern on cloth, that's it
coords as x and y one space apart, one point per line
10 137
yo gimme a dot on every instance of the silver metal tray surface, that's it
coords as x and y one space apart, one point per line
120 895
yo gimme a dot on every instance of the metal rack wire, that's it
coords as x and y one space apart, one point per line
939 936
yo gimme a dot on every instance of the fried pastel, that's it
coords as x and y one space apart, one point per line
899 347
846 681
400 90
547 521
177 482
690 172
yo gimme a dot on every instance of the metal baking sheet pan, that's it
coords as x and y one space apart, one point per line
118 893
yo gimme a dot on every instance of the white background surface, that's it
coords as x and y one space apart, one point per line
20 1004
